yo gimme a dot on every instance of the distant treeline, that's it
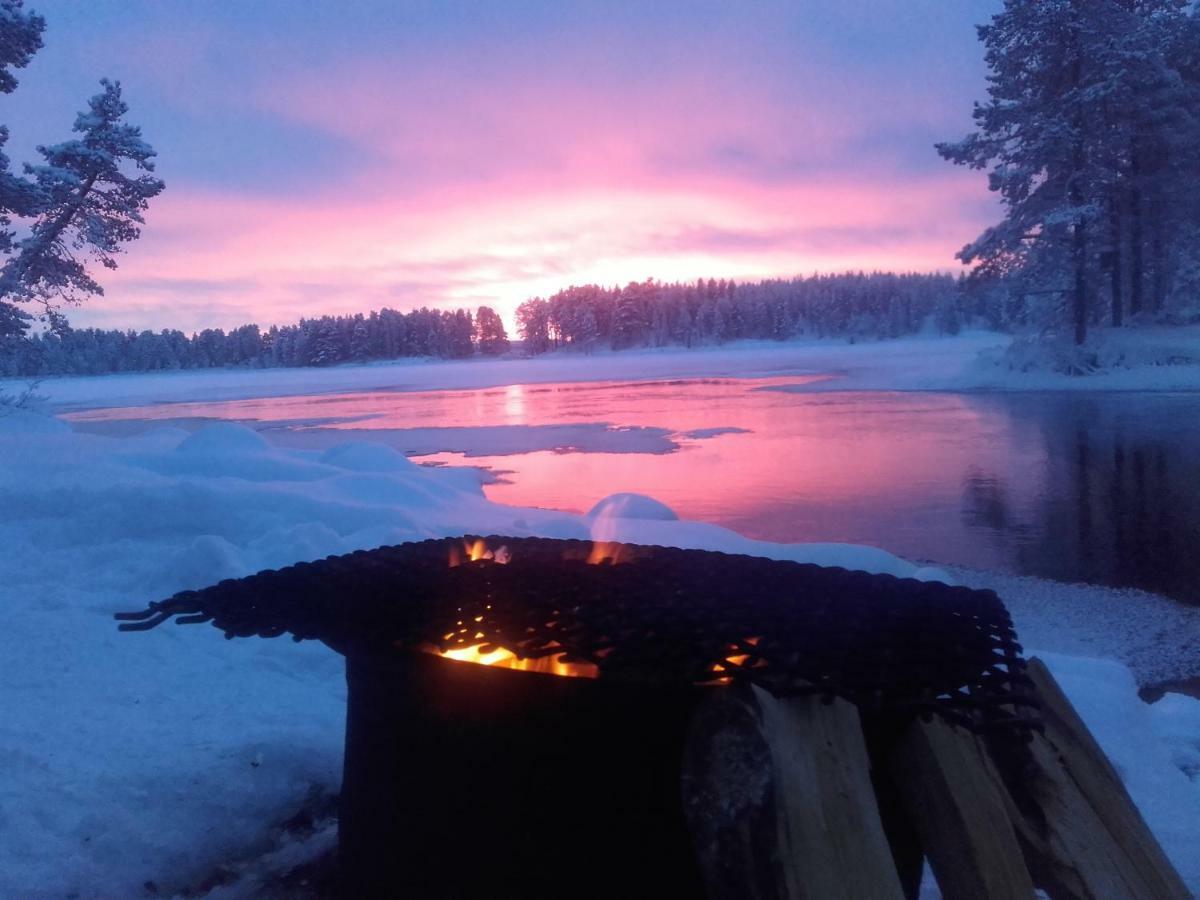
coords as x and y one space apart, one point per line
653 314
324 341
585 318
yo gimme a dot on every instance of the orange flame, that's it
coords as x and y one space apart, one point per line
506 659
473 551
611 552
736 659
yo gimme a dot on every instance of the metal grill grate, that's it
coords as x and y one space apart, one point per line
665 616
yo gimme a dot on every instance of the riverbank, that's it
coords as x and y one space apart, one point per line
135 758
976 361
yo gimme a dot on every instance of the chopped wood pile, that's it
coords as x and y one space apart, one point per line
850 813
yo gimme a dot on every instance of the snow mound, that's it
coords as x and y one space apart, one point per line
365 456
22 421
225 438
632 506
1107 350
1177 723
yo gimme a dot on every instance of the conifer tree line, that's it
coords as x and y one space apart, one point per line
587 318
650 313
1091 136
324 341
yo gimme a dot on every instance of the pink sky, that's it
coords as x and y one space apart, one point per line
488 162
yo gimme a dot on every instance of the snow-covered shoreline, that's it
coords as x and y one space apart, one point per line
966 362
154 757
133 758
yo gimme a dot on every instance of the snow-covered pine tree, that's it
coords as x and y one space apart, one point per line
630 323
490 333
327 347
1090 136
20 39
360 340
533 322
84 202
1036 135
586 330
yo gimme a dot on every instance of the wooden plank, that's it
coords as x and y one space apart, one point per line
827 803
1067 847
1082 834
779 796
956 801
728 798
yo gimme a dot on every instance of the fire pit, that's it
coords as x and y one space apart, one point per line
598 719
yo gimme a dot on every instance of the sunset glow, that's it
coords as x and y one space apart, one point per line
434 156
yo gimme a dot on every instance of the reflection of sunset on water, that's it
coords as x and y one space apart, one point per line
985 481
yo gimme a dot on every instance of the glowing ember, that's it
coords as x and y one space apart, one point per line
491 655
473 551
482 652
736 659
612 553
606 551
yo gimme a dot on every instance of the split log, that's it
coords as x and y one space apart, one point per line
779 800
1083 837
955 799
907 852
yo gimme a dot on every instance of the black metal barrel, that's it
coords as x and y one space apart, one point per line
463 780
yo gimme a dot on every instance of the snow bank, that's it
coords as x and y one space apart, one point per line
1104 694
969 361
631 506
127 758
1153 636
1122 352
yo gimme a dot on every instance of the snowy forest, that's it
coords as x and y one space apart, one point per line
1091 135
585 318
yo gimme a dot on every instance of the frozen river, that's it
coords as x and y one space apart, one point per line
1085 486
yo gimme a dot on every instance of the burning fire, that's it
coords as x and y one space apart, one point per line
611 552
738 654
601 553
506 659
473 551
485 653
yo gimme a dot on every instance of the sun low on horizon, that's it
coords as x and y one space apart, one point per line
322 159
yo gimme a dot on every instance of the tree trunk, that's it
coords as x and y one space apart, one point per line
1157 252
1115 270
1079 295
1136 260
1079 232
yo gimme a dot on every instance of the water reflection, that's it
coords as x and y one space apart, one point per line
1126 509
1095 487
514 404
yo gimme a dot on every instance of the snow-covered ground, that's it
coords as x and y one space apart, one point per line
135 758
129 759
968 362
